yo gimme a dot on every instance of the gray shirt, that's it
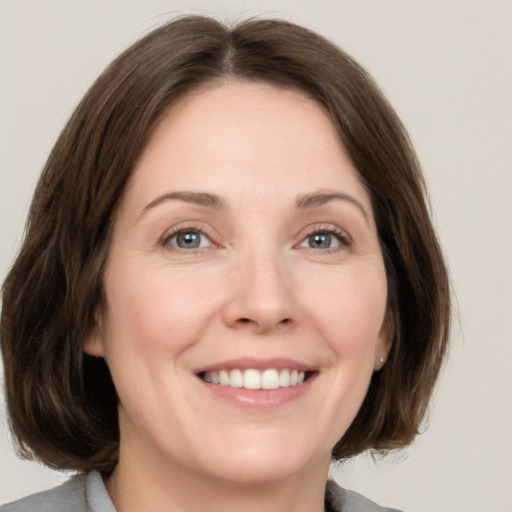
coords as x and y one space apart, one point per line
88 494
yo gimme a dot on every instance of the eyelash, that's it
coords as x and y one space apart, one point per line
186 229
339 234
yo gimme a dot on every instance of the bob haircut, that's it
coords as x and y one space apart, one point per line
62 403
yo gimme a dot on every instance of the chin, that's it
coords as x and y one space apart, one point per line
267 461
264 470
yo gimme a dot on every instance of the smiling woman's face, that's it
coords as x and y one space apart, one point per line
245 250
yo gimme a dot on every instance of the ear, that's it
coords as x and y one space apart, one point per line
94 344
384 342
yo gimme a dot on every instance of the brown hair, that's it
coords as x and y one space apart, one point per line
62 403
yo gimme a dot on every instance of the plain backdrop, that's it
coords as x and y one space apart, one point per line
447 68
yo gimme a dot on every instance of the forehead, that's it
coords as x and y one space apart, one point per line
245 135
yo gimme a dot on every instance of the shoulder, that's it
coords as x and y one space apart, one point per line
341 500
66 497
80 494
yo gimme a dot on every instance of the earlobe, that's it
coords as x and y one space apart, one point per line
384 344
93 345
379 363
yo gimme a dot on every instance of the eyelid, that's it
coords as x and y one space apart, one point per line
339 233
342 235
188 226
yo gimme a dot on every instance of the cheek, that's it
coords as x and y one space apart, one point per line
157 309
351 310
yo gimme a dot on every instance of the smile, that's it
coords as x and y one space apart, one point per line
256 379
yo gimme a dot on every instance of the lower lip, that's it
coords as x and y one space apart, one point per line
260 398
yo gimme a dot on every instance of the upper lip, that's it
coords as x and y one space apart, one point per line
256 364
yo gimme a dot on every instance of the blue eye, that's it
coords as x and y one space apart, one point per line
322 241
326 239
188 239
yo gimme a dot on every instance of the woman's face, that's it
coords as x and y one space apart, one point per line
245 250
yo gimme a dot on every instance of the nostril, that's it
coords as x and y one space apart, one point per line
263 325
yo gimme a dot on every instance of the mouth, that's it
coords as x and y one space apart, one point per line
254 379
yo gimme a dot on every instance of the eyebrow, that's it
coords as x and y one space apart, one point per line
312 200
199 198
320 198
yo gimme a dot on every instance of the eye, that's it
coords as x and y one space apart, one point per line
325 239
188 239
321 241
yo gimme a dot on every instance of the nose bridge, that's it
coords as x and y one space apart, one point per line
263 289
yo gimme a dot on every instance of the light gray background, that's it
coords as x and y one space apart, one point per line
447 68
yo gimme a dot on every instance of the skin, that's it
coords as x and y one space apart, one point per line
254 288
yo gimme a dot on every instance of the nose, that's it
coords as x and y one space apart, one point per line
262 298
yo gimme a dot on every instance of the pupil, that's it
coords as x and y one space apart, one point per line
320 241
188 240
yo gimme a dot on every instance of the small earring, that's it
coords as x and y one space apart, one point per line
381 360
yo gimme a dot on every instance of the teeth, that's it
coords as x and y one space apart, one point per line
223 378
270 379
236 379
254 379
284 378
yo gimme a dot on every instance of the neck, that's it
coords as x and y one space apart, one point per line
139 488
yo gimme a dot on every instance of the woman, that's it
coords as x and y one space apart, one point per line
229 278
